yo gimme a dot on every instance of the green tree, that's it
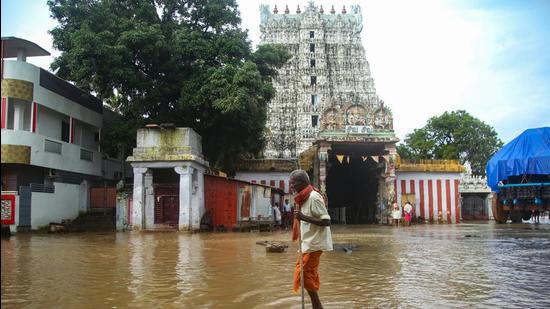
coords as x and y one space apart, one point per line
183 62
454 135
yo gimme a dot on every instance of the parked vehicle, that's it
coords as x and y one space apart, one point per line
519 176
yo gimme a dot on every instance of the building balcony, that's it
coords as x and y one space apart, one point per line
38 150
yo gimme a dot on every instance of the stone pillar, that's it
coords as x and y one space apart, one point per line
488 202
316 166
186 183
390 158
382 201
197 198
84 197
138 198
323 159
149 205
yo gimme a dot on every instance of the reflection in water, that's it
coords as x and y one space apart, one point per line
483 265
135 247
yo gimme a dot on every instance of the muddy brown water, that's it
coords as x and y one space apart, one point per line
425 266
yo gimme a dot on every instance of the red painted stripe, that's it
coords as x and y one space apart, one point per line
282 184
4 111
272 183
457 207
439 202
431 200
421 190
448 194
403 187
34 107
413 191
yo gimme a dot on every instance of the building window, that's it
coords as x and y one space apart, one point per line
52 146
314 100
86 155
65 129
312 34
312 63
314 121
312 47
314 80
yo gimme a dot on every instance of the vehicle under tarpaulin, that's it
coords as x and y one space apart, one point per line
520 174
527 154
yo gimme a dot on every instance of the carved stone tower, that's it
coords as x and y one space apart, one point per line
327 113
326 86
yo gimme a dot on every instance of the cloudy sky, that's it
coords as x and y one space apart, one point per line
488 57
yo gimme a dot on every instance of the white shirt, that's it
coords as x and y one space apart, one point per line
315 237
396 213
408 208
287 207
277 213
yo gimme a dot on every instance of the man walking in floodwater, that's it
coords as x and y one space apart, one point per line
312 223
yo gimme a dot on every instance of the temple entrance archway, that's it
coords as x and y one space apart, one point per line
353 182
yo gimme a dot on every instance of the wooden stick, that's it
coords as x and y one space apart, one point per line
301 262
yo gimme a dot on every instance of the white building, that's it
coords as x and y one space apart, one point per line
50 140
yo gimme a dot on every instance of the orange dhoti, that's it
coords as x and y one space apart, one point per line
311 272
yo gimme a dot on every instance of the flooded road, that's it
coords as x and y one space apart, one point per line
426 266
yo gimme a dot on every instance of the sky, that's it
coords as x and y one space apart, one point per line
488 57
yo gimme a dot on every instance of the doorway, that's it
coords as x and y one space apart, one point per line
166 192
352 182
474 207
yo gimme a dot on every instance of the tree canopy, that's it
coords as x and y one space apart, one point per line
171 61
454 135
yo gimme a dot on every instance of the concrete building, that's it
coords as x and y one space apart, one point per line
50 140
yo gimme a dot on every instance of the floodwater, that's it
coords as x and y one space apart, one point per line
425 266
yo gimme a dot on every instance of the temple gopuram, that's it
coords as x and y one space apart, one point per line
326 114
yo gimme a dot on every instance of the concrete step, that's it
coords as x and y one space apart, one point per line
93 222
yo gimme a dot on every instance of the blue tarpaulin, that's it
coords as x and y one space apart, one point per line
529 153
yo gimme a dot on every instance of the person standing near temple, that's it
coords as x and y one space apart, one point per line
395 214
312 227
287 213
408 209
277 215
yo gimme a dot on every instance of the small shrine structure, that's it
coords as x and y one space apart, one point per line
168 190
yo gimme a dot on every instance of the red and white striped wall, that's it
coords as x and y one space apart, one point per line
274 179
434 192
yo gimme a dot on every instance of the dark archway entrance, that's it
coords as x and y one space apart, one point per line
352 182
166 192
474 207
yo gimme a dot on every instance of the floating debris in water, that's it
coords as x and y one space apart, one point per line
272 246
347 248
468 235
